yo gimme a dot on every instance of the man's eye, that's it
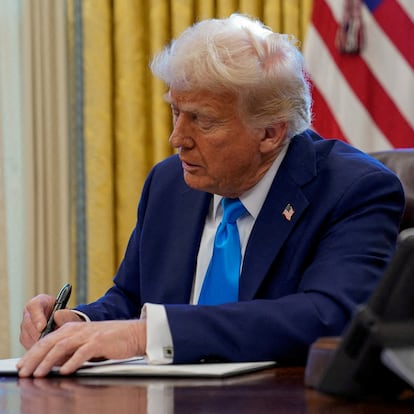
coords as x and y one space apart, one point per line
206 125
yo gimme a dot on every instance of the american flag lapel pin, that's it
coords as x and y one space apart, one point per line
288 212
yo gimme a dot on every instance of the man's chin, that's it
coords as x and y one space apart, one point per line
196 183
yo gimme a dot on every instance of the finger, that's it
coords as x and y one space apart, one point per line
34 357
69 352
82 354
55 358
29 332
52 350
37 311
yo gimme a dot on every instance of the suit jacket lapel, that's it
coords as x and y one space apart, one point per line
188 227
272 227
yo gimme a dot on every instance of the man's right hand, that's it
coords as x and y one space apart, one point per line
35 315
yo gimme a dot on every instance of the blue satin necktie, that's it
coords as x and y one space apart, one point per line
221 283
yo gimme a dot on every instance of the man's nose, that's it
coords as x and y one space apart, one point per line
181 135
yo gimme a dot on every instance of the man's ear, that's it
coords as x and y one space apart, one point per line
273 136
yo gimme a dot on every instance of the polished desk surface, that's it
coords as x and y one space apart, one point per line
276 390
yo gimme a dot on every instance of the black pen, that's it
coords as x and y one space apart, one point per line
61 302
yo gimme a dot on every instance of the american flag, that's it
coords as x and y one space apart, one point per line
288 212
360 58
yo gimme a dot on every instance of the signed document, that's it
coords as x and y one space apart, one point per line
139 367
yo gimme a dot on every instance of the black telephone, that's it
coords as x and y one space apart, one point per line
380 336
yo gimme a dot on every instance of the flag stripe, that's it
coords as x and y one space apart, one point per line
364 98
384 59
324 118
408 8
399 28
352 118
370 92
389 67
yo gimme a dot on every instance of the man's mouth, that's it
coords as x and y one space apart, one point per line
189 167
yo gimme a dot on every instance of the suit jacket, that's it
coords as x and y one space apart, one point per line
301 279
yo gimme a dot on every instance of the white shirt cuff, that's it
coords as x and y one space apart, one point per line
159 340
82 315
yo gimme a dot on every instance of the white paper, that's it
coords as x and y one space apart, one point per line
400 361
139 367
8 366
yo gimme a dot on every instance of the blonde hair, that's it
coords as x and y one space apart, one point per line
242 56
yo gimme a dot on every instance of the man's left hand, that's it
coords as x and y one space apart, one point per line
76 342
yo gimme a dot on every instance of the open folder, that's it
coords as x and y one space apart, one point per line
139 367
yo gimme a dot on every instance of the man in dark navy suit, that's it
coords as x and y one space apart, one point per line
319 227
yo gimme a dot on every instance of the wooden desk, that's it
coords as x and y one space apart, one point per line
276 390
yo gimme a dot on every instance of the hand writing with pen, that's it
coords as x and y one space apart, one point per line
73 341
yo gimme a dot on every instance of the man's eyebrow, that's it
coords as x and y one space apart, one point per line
187 107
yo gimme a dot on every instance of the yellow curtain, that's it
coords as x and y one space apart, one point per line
126 122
